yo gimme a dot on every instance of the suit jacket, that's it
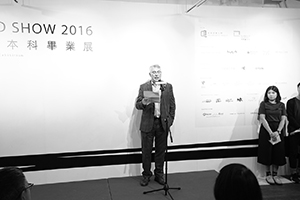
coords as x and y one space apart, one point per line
167 107
293 114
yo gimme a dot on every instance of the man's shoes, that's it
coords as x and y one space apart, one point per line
145 181
277 180
270 180
160 180
295 178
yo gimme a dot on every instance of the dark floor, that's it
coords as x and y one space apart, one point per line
193 186
288 191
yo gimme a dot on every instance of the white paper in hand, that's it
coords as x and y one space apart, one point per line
277 140
153 96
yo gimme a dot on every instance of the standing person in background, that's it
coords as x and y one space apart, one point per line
13 184
157 117
293 115
271 150
236 182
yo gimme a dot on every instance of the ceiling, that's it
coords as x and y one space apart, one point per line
248 3
283 4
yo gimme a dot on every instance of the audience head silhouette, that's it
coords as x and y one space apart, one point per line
13 184
237 182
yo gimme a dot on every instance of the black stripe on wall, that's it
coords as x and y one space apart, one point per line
229 149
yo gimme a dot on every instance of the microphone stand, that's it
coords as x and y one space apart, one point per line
166 187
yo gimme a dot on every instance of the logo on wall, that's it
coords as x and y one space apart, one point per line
237 33
207 101
240 99
205 33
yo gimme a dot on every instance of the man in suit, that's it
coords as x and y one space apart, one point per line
157 118
293 115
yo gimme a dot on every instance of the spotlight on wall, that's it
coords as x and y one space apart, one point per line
16 1
199 3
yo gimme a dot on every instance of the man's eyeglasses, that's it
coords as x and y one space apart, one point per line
30 185
156 72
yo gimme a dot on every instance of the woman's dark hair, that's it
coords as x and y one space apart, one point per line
236 182
12 183
275 89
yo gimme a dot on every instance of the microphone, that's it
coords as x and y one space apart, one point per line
162 84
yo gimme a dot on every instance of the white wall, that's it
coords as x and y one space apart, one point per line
67 101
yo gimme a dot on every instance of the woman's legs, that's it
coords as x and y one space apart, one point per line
275 169
269 177
274 174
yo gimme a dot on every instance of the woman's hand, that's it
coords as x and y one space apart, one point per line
274 136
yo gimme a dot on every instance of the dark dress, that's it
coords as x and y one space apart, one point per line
293 111
269 154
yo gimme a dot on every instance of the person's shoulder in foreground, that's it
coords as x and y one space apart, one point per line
236 182
13 184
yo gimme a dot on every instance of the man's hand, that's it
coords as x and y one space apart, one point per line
146 101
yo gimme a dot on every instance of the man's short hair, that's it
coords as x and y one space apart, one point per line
153 66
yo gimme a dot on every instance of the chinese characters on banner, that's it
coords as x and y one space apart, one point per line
51 45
